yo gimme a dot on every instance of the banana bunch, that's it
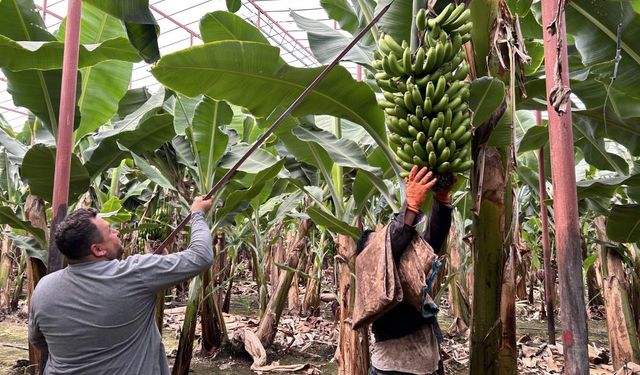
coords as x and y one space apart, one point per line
425 93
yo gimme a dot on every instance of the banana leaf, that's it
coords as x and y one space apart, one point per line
210 143
326 43
8 217
342 13
105 84
141 27
332 223
239 200
234 5
253 76
487 94
148 136
38 91
38 167
19 56
343 152
14 149
132 100
220 25
257 162
183 111
623 224
593 25
398 20
32 247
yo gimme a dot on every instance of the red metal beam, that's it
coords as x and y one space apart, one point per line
47 11
278 25
565 196
12 110
175 22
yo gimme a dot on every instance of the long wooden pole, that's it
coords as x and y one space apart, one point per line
218 186
64 142
565 200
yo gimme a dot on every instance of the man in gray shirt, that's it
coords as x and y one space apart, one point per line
97 316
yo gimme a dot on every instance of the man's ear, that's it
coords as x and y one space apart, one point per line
96 251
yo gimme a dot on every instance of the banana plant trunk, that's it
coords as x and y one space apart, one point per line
565 200
214 332
549 275
187 335
35 213
353 346
311 300
6 267
457 289
268 325
621 324
489 254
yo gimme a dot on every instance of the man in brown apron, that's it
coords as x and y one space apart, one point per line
407 340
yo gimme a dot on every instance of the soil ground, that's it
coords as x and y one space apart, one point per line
317 354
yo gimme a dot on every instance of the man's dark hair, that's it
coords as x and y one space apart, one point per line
76 233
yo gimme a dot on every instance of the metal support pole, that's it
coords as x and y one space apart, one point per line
565 199
549 275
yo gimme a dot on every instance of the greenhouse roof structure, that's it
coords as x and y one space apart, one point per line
179 29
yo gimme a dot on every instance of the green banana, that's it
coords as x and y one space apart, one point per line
455 164
440 146
403 125
418 66
462 19
430 60
381 76
440 88
385 104
408 101
428 107
419 112
422 138
413 131
448 116
394 65
461 73
419 162
441 17
415 122
433 128
416 96
432 159
419 150
404 156
383 46
406 61
430 90
429 147
458 133
439 54
466 137
447 133
400 112
421 20
453 16
444 167
465 166
444 155
465 28
442 104
437 135
393 45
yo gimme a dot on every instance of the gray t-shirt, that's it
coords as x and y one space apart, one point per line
99 317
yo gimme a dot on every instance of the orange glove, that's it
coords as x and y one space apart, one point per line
418 184
444 195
